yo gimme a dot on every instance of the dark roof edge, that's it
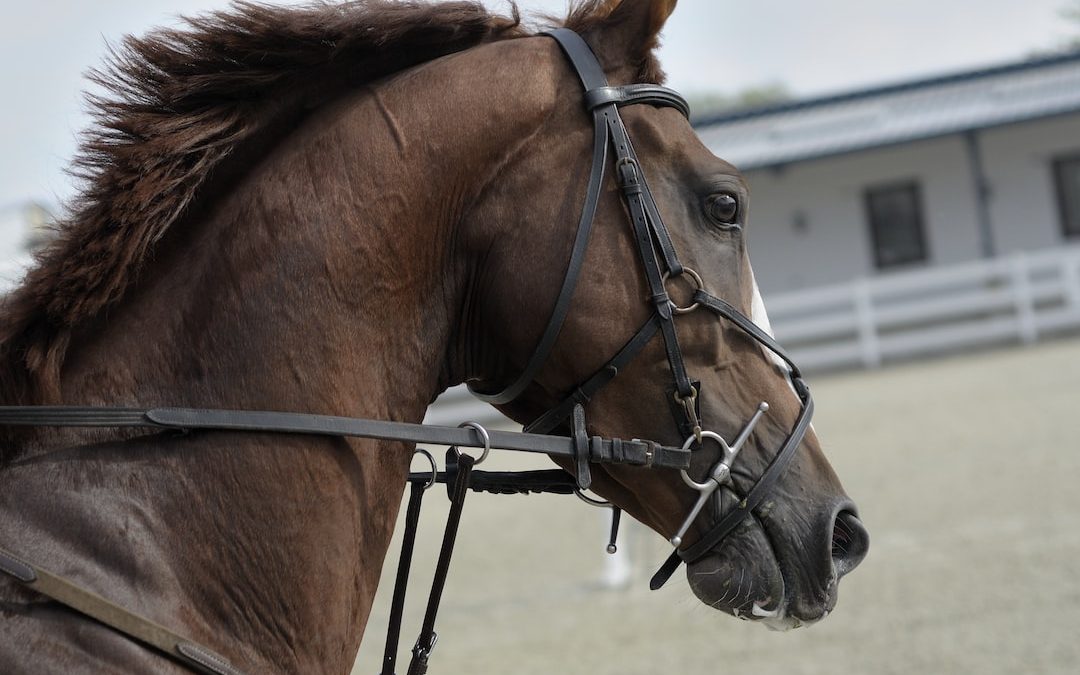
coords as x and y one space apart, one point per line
892 143
860 94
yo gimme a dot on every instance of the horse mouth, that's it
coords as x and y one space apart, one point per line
756 593
758 575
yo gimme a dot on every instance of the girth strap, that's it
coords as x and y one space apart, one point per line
124 621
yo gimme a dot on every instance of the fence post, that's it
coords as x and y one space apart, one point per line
1025 302
1070 278
865 320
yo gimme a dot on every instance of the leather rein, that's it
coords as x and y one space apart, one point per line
660 263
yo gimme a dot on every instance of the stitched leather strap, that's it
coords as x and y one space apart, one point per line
124 621
633 94
641 453
540 481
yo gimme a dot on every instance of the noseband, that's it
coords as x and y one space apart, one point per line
661 264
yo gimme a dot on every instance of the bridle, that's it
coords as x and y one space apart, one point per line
660 264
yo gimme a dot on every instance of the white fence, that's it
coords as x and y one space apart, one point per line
865 323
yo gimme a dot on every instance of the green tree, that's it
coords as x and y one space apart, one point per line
707 104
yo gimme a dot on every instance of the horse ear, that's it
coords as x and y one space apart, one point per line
646 17
631 33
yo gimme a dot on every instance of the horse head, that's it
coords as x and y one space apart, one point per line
696 377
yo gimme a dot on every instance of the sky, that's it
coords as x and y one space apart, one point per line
709 45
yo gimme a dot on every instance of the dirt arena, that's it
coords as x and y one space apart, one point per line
966 473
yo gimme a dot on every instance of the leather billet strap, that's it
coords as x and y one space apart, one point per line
602 450
137 627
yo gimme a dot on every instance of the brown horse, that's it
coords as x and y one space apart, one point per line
346 209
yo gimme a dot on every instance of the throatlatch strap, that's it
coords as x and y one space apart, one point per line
93 606
401 583
424 644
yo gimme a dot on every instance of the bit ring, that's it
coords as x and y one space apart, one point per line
708 484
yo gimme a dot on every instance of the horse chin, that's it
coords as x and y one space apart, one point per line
743 578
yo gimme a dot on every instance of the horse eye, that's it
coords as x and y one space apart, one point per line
722 208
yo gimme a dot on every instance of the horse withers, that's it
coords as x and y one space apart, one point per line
345 210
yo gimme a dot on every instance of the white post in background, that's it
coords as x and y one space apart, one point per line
1025 302
866 322
1070 278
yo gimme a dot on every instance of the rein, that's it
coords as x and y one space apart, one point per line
660 263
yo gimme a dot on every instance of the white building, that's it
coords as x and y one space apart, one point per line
911 176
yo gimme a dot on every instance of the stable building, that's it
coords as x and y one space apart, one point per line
928 173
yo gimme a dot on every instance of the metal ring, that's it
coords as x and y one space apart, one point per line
483 434
598 503
434 468
696 278
700 487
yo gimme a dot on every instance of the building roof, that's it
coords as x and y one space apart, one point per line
880 116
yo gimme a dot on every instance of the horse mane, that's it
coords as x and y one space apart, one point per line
178 104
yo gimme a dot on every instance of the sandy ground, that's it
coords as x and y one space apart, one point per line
965 471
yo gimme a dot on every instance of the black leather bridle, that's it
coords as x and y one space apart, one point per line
660 264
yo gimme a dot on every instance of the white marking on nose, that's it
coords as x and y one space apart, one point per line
760 316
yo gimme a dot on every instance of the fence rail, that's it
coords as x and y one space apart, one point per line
1018 298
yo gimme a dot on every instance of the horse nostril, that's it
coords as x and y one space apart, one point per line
850 542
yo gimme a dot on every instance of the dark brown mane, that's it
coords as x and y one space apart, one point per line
180 103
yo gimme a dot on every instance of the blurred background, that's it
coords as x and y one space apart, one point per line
915 177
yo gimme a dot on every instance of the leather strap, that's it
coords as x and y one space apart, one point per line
745 507
540 481
584 393
401 583
581 449
776 467
603 102
633 94
640 453
134 626
426 642
570 279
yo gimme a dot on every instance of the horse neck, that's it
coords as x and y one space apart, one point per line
308 287
325 281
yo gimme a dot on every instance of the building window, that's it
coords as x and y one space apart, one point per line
896 224
1067 180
